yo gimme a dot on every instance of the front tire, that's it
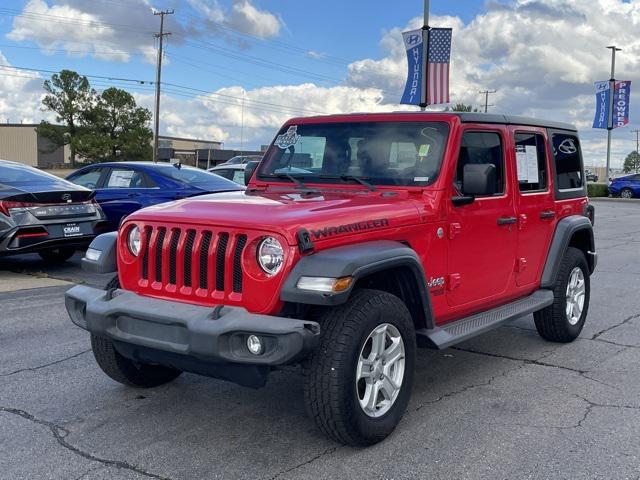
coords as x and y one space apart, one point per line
128 372
358 381
57 255
563 320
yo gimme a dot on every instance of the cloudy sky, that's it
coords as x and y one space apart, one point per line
236 69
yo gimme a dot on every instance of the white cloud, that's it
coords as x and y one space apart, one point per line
20 95
249 20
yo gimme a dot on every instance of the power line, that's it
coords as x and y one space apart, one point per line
486 98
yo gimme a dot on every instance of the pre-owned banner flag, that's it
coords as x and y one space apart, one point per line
413 89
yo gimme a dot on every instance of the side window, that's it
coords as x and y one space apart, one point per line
531 161
125 178
88 179
226 173
238 177
478 148
568 162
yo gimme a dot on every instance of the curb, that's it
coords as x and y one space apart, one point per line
612 199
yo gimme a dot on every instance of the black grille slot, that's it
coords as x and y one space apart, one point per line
237 263
220 254
173 253
159 241
204 259
145 253
188 250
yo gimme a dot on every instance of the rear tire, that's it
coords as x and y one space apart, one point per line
127 371
348 379
57 255
626 193
563 320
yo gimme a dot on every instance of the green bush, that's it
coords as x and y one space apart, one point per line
597 190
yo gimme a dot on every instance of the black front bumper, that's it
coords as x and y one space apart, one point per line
207 340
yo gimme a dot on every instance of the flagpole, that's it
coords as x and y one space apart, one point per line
425 52
612 86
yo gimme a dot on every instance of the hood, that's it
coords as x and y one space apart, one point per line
324 215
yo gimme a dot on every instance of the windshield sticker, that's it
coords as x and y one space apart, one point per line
288 139
420 179
424 150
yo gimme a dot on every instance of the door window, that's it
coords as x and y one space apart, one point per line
125 178
568 161
479 148
88 179
531 161
226 173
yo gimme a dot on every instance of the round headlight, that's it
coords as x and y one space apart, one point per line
270 255
134 241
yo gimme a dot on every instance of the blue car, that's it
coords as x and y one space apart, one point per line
124 187
625 187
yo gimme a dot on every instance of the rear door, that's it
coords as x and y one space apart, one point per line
534 202
482 235
123 191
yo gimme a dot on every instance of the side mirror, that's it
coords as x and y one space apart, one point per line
479 180
249 171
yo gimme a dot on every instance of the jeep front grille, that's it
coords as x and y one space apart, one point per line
195 260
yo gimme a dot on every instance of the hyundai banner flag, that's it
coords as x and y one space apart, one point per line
413 89
621 94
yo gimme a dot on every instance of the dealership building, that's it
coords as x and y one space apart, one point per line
20 142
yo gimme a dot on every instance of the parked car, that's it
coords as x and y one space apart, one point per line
124 187
591 177
241 159
42 213
408 229
235 172
625 187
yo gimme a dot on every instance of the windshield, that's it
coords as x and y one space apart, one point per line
191 175
382 153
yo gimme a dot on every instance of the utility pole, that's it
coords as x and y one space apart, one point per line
160 36
637 132
425 53
612 87
486 99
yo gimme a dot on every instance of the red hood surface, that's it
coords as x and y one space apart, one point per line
325 215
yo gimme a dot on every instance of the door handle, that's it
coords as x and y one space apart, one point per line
507 221
133 195
547 214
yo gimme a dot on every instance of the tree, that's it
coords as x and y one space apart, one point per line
461 107
69 95
632 163
115 128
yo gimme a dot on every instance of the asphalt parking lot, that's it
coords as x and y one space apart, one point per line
506 405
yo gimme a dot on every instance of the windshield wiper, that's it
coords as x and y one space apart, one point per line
290 177
354 178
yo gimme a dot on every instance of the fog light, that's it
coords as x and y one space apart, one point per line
254 344
92 254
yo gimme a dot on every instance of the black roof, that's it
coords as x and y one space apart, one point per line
472 117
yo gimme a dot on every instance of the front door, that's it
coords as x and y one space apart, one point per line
483 234
535 205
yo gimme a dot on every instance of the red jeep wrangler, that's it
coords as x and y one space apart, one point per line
359 237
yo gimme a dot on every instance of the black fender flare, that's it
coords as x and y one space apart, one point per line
565 230
357 261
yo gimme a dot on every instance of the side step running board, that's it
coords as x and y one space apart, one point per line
466 328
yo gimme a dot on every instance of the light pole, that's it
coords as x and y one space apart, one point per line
637 132
425 53
612 87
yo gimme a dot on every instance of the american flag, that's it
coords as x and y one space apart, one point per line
438 65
